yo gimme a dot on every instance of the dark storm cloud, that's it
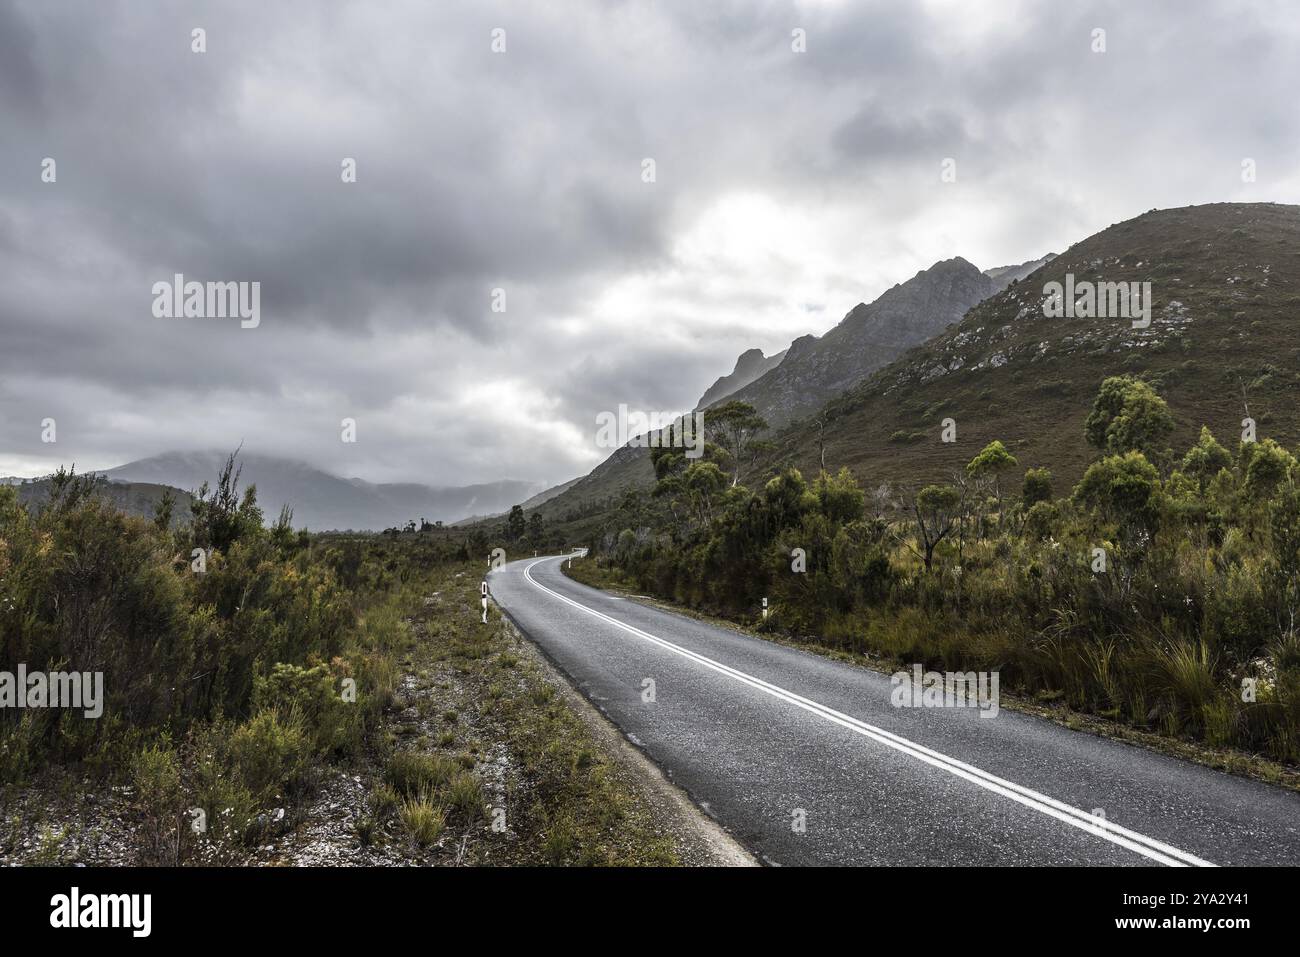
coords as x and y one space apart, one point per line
783 179
19 86
870 132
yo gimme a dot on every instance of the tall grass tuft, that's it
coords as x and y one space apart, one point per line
422 821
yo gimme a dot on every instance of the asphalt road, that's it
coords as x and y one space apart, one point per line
807 761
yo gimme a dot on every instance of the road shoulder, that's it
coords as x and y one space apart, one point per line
701 840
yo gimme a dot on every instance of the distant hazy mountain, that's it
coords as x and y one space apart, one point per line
550 493
1009 274
751 364
870 336
321 501
134 498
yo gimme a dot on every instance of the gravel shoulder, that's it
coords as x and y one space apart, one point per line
700 839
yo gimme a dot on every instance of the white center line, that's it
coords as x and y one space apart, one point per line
1099 827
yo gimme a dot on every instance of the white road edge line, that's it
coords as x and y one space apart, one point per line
1131 840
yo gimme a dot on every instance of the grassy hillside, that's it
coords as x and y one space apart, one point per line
583 505
1225 283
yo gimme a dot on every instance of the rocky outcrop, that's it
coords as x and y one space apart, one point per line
751 364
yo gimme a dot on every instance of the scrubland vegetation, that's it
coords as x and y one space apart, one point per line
247 669
1161 591
226 648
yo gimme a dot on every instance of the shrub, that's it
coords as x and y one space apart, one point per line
271 754
157 778
311 693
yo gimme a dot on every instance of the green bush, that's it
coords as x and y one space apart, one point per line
313 694
271 754
156 775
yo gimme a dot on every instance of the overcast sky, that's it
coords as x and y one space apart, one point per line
788 187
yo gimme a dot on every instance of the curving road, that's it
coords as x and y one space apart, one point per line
806 761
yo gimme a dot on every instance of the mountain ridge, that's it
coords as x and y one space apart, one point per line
1225 280
749 366
870 335
779 393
